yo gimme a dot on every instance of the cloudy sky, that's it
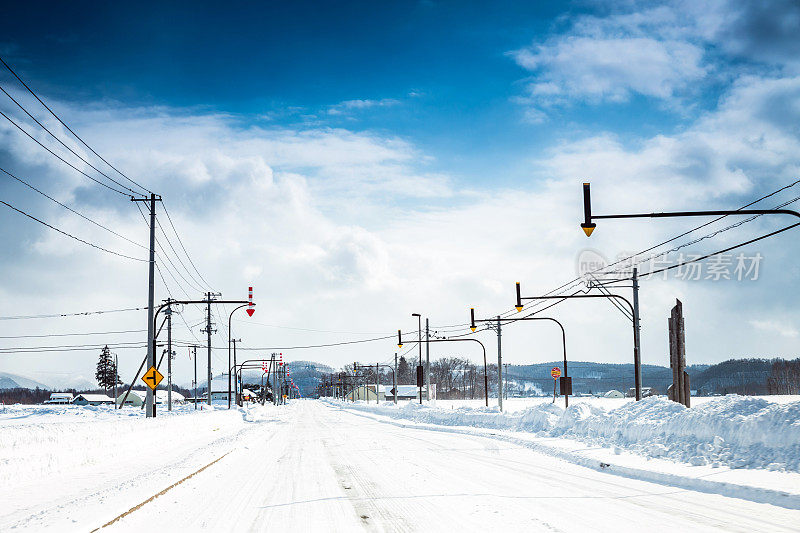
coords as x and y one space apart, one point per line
358 162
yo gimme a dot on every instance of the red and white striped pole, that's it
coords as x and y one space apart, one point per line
250 307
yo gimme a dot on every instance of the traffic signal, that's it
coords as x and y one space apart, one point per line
587 226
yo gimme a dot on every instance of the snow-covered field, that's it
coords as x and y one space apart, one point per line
50 455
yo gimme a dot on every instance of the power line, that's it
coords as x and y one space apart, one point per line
70 130
72 334
70 235
87 349
197 285
725 250
26 348
64 144
71 210
169 218
34 139
83 313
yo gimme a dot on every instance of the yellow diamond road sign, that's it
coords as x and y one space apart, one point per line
152 377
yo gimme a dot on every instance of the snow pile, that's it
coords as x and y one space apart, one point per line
733 431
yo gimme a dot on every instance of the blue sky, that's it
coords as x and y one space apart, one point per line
421 155
440 73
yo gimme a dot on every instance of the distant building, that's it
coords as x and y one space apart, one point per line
613 394
646 391
404 392
92 399
136 398
60 398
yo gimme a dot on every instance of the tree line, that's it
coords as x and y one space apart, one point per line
455 377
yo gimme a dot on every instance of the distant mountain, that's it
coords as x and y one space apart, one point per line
13 381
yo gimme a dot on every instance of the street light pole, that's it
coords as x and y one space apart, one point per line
419 342
637 362
489 321
230 317
427 361
485 374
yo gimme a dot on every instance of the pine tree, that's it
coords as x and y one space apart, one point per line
403 372
106 374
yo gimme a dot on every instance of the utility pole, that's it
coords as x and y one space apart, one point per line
275 380
236 377
116 378
637 350
150 404
194 349
169 354
505 388
394 378
499 367
208 330
427 362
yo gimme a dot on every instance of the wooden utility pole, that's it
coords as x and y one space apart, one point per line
680 390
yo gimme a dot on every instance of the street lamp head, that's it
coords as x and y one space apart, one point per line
472 319
399 339
416 314
519 299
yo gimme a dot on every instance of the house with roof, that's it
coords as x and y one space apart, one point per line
136 398
92 399
59 398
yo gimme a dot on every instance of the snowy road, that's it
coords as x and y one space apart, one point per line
323 467
333 469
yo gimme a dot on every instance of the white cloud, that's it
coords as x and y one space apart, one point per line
356 105
772 326
666 52
334 230
610 69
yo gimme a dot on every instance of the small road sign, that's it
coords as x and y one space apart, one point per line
152 377
556 372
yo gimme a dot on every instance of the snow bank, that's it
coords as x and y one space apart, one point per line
39 442
734 431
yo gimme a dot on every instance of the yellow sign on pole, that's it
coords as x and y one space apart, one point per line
152 377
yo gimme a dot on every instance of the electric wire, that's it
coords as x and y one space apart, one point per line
169 218
197 285
70 129
82 313
70 235
76 154
48 335
34 139
68 208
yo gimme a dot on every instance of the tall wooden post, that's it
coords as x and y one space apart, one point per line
680 390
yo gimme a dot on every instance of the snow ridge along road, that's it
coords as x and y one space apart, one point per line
312 466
